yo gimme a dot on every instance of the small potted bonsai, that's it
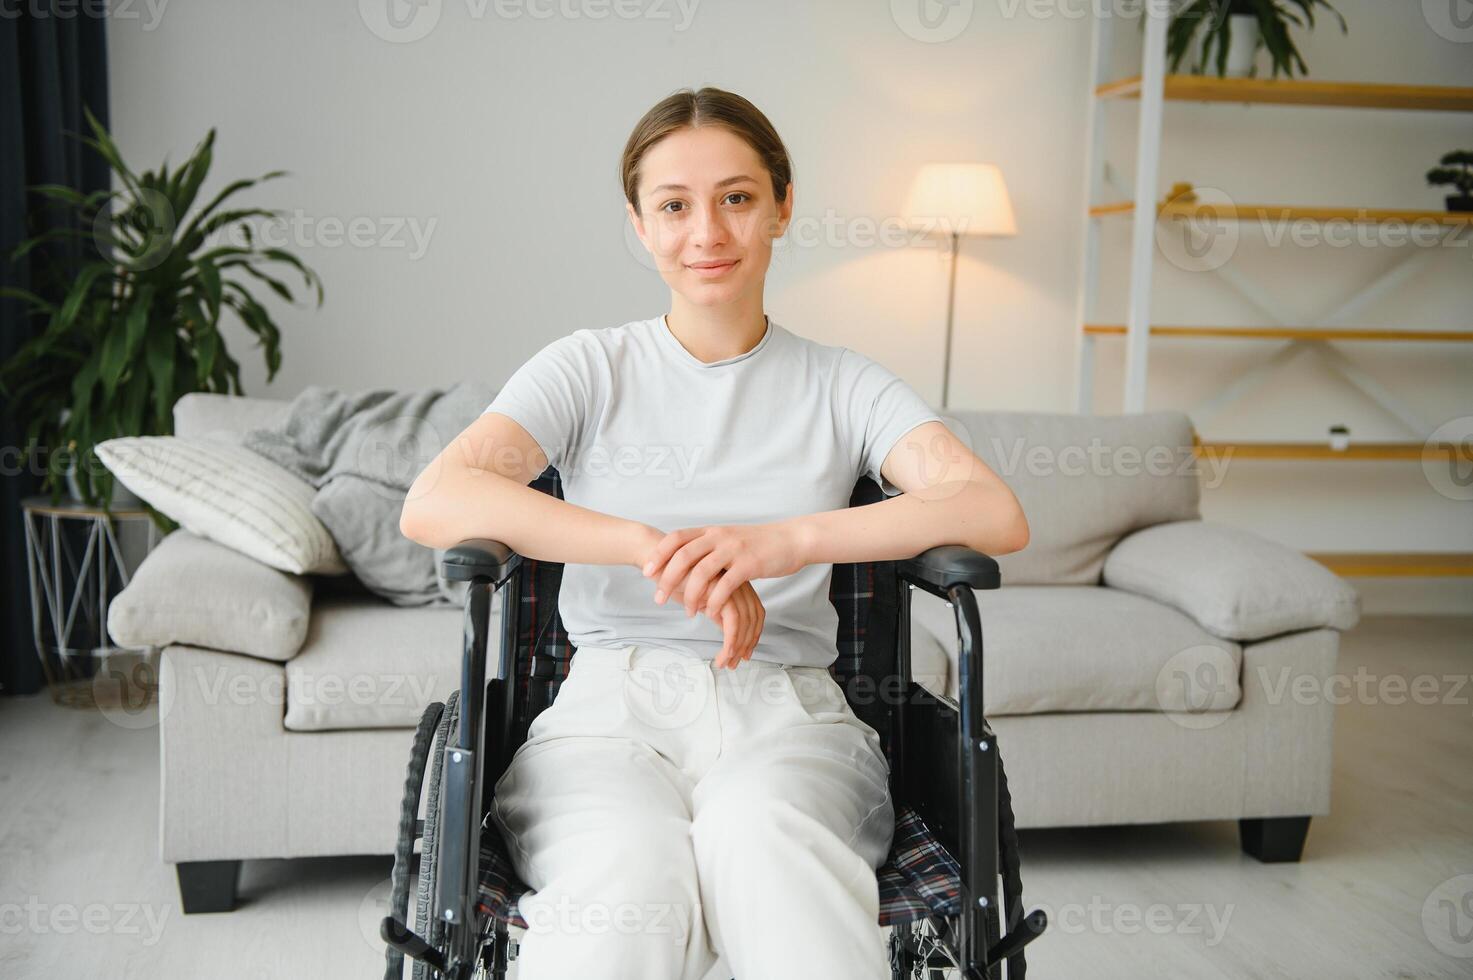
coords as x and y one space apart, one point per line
1461 179
1232 31
138 322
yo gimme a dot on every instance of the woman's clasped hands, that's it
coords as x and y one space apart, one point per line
710 569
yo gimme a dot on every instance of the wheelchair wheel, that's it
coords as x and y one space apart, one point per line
432 929
410 830
414 872
919 951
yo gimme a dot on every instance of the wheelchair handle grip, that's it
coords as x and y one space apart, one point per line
479 557
938 569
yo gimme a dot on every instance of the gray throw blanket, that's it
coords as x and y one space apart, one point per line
362 451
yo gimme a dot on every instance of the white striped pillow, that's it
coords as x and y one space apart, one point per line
224 492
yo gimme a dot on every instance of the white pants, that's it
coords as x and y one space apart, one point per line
668 812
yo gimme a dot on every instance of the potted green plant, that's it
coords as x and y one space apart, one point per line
1460 179
1232 32
139 322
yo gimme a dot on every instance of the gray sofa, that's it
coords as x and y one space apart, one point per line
1137 663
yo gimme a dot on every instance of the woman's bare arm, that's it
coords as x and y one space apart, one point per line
477 488
949 496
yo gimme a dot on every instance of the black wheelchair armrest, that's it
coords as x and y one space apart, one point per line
938 569
479 557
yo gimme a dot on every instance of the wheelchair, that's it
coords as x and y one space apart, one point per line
951 889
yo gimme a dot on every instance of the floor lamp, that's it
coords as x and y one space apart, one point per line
957 199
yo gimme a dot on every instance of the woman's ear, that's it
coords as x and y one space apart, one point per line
785 212
637 222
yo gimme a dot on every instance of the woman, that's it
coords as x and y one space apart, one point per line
700 786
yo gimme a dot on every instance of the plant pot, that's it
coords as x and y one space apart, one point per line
1244 45
1462 202
122 498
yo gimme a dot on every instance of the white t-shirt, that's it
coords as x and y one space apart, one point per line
640 428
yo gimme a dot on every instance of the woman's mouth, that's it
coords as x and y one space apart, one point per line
707 270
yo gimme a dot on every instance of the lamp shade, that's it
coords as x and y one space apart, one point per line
966 198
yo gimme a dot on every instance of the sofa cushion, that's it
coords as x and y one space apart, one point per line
222 491
362 515
1084 481
197 592
1235 583
370 664
1087 648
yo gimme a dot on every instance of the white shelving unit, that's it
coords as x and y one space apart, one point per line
1108 201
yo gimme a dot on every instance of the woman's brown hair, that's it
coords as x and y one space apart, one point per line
705 107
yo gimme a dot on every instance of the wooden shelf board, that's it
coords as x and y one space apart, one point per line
1114 207
1321 450
1289 212
1434 564
1288 333
1301 92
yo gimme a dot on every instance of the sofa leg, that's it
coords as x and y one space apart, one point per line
1274 838
207 886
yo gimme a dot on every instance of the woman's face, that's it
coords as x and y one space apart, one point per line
707 199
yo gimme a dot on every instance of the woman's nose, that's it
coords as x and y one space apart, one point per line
708 228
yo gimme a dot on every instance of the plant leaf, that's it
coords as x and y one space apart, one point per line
308 276
70 195
1222 49
137 321
230 189
105 146
158 354
81 287
277 286
52 234
110 370
209 277
130 421
193 174
259 322
84 382
15 292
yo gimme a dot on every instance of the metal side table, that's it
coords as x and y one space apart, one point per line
70 595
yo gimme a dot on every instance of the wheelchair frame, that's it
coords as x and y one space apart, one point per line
951 775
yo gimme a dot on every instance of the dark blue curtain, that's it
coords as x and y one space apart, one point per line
50 67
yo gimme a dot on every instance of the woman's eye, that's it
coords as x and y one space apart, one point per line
744 199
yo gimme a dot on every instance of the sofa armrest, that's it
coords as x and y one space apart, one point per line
1237 584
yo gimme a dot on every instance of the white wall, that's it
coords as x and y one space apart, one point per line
498 135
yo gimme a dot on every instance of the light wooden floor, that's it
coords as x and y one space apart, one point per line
82 893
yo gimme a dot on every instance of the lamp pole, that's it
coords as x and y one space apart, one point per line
950 305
